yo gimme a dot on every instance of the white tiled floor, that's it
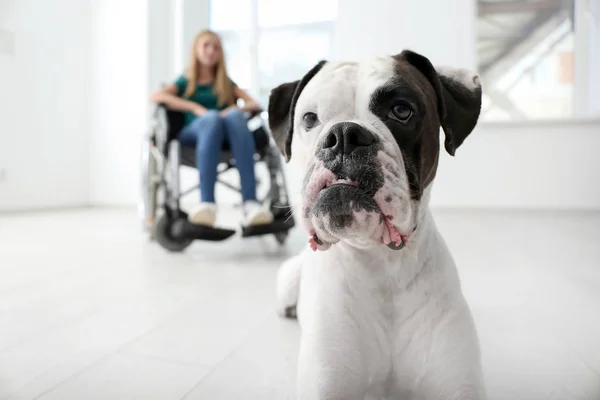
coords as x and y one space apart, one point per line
89 309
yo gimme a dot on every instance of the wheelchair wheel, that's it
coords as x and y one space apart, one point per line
278 193
149 187
161 230
281 237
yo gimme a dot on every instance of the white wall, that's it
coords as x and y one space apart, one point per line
44 104
161 39
173 24
587 57
194 16
137 46
75 92
527 165
120 92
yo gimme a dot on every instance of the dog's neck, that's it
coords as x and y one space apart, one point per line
384 263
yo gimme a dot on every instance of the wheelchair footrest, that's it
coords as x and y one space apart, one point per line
184 229
279 225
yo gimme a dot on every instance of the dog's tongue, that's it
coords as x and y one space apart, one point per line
391 237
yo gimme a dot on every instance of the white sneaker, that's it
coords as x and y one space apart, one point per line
256 214
204 214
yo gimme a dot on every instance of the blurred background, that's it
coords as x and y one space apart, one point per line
89 307
76 76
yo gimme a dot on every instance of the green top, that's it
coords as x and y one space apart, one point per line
204 95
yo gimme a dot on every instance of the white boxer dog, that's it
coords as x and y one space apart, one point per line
377 293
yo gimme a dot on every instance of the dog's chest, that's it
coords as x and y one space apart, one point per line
387 300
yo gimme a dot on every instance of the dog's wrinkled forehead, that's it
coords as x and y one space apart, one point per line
332 91
344 89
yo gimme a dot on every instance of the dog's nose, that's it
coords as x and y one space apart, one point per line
345 137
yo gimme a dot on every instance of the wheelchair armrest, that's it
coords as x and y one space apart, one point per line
168 122
160 107
255 113
172 122
250 114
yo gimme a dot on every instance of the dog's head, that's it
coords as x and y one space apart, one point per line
367 137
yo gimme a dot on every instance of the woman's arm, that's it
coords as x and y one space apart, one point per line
249 103
168 96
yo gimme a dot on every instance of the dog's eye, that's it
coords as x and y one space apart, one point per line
401 113
310 120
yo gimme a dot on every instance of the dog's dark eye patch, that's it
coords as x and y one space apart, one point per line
393 94
384 99
408 134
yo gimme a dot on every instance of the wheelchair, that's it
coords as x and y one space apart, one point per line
159 206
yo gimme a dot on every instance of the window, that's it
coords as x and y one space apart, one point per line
525 53
237 48
290 39
228 15
286 53
273 13
233 20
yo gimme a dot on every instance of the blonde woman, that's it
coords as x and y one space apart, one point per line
208 98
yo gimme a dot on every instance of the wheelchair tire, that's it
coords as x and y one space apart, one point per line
161 230
149 188
281 237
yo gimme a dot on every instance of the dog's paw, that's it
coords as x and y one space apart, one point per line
288 312
288 286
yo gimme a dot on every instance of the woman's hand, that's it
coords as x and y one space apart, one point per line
168 95
251 106
198 110
228 110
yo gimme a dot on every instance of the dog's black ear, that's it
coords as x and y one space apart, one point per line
282 102
459 98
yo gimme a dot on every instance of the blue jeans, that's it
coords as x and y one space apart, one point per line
208 133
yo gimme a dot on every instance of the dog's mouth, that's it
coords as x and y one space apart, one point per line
342 197
341 182
392 238
338 201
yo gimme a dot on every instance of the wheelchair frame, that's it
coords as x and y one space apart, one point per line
162 157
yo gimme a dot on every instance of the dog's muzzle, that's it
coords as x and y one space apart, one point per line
349 152
344 184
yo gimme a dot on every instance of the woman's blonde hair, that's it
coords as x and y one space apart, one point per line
223 86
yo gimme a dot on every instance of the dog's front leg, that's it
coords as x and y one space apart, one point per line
331 364
288 285
330 368
454 370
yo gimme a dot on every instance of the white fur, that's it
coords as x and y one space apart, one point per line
376 323
468 78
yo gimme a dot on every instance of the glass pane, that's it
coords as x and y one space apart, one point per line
230 14
236 46
287 53
289 12
232 19
525 52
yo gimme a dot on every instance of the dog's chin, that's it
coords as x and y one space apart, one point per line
345 212
341 203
